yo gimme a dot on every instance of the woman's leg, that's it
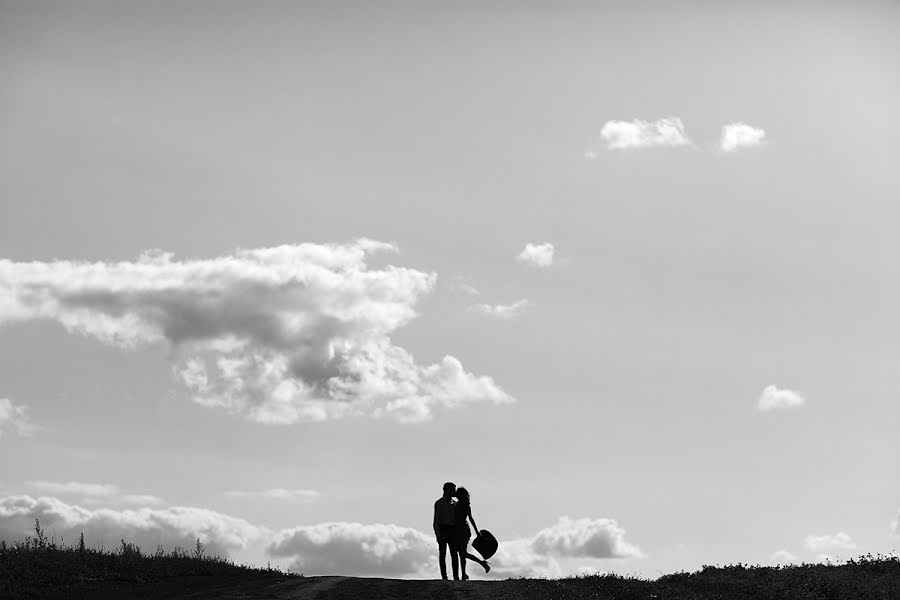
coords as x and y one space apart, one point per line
483 563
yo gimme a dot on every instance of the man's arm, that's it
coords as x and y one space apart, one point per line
436 519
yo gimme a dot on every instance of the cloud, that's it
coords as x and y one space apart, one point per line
827 547
279 335
146 527
620 135
783 557
504 311
461 287
585 538
740 135
772 398
93 493
355 549
537 255
14 419
895 524
277 493
568 538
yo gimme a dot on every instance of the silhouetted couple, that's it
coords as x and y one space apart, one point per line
451 528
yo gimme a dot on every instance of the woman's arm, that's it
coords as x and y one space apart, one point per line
471 518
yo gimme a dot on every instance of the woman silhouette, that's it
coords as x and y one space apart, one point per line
461 532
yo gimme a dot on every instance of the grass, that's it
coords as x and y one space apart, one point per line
865 578
38 565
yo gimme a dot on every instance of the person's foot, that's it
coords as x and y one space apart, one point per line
465 577
487 567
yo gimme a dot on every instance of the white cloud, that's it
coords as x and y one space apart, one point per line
279 335
14 419
75 487
585 538
537 255
355 549
620 135
895 525
146 527
828 544
463 288
740 135
504 311
518 558
93 493
568 538
772 397
277 493
783 557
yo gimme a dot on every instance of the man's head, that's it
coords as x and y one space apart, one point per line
449 489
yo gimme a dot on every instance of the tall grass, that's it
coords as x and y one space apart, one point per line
40 563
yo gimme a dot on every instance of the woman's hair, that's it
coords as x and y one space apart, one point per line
463 494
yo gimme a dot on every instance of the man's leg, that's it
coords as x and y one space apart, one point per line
442 559
454 560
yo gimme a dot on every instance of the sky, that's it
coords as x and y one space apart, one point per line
271 273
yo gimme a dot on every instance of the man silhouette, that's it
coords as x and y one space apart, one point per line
443 529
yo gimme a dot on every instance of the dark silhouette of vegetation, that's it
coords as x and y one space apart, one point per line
865 578
38 566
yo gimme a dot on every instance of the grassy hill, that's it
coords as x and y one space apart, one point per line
40 568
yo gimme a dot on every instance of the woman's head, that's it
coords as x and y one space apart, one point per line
463 494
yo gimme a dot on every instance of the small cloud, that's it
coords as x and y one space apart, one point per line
278 493
591 155
772 398
621 135
537 255
783 557
462 287
504 311
14 419
827 546
740 135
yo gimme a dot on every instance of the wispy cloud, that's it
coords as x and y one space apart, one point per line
462 287
773 398
740 135
504 311
278 335
93 493
14 419
783 557
277 493
537 255
623 135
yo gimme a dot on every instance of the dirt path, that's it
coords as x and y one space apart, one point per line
303 588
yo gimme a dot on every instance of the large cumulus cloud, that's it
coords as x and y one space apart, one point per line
568 538
280 335
393 550
147 527
355 549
